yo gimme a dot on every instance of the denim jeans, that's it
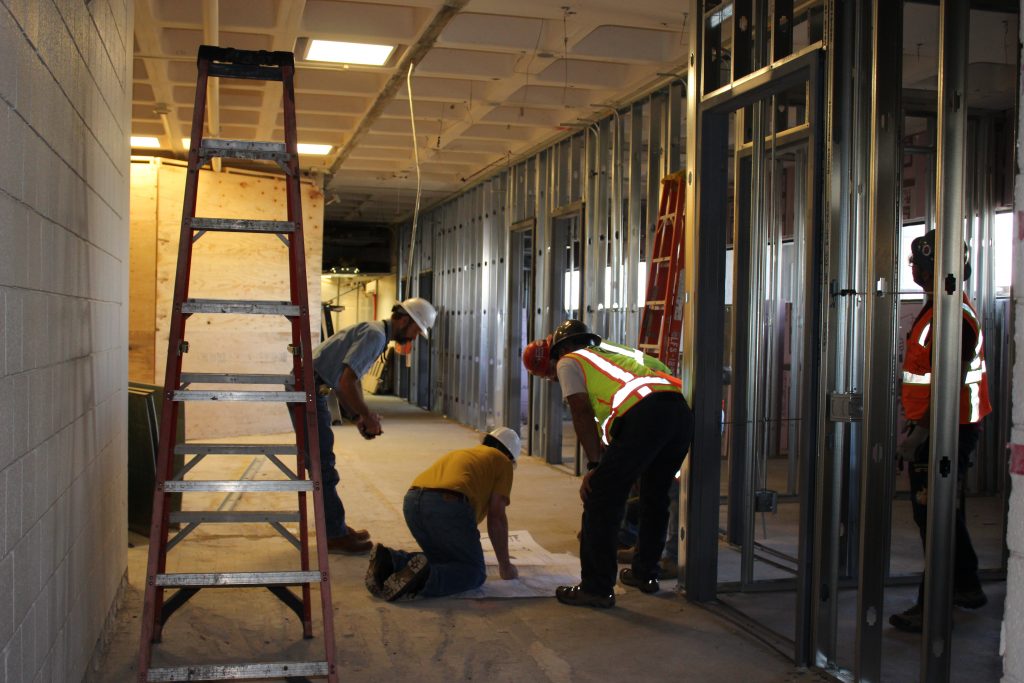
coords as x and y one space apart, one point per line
445 528
334 510
649 443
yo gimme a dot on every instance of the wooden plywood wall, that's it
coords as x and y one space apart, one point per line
232 266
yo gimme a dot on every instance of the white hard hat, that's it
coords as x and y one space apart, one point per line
509 439
421 311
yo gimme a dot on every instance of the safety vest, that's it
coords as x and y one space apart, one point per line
917 370
649 362
617 379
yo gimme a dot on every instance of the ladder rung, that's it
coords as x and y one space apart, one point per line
230 672
232 378
655 304
661 259
647 346
241 225
237 485
233 517
235 449
250 72
243 149
224 579
241 307
267 396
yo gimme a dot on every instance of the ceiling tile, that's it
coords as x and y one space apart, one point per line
347 81
337 104
248 13
493 30
549 96
469 63
356 20
525 116
585 73
629 44
142 92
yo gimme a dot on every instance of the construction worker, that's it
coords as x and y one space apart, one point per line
633 423
339 363
443 507
974 406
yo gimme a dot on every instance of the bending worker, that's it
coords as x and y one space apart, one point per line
633 423
974 406
443 508
339 363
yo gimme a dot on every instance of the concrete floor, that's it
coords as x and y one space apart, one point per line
660 637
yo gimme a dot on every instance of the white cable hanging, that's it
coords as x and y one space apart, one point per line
416 208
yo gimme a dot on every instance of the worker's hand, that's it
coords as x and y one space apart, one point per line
917 436
369 425
508 571
585 485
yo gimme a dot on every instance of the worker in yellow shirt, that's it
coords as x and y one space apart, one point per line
443 507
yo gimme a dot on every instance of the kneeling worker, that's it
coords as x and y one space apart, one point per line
633 423
443 507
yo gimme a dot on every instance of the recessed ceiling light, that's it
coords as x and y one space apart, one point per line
306 148
145 142
348 53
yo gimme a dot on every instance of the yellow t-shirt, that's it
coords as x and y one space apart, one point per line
476 472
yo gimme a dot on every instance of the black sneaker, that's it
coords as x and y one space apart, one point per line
970 599
380 568
629 578
408 581
577 597
910 621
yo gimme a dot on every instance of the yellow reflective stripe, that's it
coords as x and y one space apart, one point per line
606 366
911 378
634 385
974 392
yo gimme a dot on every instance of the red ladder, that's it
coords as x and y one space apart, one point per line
298 397
661 323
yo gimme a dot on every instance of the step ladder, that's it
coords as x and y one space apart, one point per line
297 396
661 322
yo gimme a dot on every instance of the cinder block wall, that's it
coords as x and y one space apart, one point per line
1012 647
65 89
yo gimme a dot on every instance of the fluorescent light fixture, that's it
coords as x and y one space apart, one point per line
186 142
145 142
348 53
306 148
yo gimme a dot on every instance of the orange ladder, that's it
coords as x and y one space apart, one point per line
298 397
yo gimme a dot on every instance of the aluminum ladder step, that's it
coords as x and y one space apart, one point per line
233 517
256 396
235 672
235 449
236 579
241 225
233 378
240 307
243 149
237 485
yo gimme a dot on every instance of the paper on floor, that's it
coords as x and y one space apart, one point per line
540 572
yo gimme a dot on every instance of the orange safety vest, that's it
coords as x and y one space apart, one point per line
917 370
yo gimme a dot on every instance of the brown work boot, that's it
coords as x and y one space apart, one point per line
348 545
361 534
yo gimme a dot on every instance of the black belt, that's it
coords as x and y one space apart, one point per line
457 495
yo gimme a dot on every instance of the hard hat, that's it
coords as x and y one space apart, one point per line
509 439
537 358
572 329
421 311
922 253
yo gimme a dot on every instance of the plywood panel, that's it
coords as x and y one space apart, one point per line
142 274
235 266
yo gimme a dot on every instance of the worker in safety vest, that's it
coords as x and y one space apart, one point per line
974 406
633 423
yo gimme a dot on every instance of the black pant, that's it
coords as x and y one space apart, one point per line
965 560
649 444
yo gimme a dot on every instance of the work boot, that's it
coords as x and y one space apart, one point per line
970 599
348 545
577 597
408 581
380 568
910 621
361 534
629 578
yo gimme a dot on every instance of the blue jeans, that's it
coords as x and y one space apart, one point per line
445 528
334 510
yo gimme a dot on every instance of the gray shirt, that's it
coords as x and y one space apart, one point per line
356 346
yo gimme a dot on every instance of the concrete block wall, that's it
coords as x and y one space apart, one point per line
65 88
1012 646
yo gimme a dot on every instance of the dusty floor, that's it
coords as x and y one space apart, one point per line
660 637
